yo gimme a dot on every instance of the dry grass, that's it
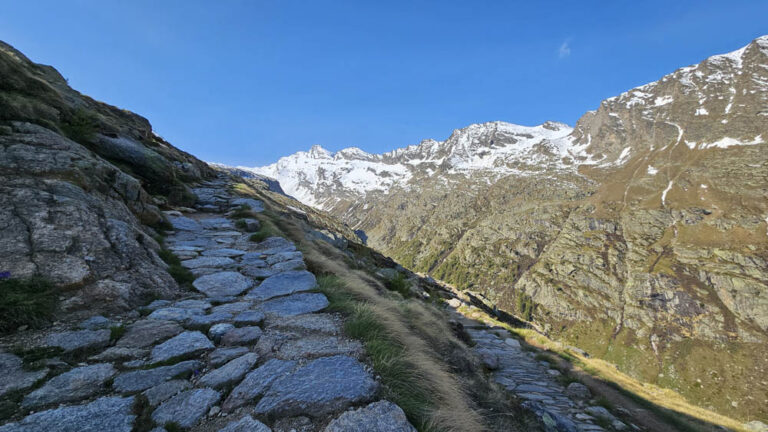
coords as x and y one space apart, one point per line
425 339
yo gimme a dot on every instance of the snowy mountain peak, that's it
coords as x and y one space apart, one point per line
489 150
318 152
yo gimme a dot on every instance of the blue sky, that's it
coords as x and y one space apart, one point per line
245 82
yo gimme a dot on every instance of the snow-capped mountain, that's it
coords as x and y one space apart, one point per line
492 150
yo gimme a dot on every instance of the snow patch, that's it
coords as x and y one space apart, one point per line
664 194
730 142
701 112
652 170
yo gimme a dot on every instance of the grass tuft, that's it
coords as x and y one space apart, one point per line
179 273
401 285
116 332
30 302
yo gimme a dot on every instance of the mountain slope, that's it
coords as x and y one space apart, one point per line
641 235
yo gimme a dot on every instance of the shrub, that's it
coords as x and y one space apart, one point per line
80 126
29 302
116 332
525 306
179 273
400 284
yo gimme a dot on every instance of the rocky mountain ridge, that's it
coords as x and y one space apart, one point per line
641 235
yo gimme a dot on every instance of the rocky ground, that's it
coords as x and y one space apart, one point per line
251 350
560 406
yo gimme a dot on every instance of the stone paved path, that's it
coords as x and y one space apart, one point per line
560 408
251 349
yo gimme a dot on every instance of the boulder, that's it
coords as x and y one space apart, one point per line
14 377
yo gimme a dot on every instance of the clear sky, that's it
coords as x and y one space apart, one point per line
245 82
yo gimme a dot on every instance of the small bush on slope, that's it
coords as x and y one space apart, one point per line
29 302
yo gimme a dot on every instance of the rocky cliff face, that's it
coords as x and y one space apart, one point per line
641 235
80 186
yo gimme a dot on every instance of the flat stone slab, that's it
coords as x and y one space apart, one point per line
221 356
382 416
253 204
186 408
208 262
181 223
257 382
230 373
320 387
113 414
161 393
250 317
312 323
318 346
76 340
294 304
14 377
273 245
241 336
147 332
245 424
140 380
184 345
283 256
193 304
175 314
223 284
217 223
224 252
233 308
74 385
291 265
206 320
258 272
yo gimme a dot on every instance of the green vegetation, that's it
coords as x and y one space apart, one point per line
241 224
80 126
143 411
179 273
173 427
241 212
30 302
116 332
400 377
400 284
525 306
